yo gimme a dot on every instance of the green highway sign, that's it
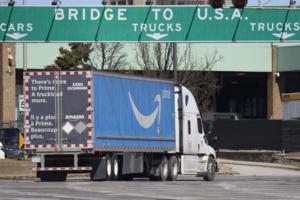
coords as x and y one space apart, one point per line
148 24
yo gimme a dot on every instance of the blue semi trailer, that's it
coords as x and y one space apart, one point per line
113 127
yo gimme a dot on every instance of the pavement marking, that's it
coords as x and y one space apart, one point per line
227 186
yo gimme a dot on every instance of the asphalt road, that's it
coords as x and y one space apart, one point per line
187 187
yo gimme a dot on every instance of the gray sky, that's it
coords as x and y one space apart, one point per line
98 2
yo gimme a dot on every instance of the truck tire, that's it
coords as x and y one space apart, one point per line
52 176
163 169
116 168
108 167
173 168
211 169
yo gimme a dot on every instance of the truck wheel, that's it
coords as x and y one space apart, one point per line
211 169
52 176
115 168
108 167
173 168
163 169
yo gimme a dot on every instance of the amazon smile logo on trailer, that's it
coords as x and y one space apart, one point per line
146 121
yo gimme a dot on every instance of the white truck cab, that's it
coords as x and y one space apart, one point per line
2 154
197 157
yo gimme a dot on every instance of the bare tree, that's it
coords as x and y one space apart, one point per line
109 56
155 59
195 72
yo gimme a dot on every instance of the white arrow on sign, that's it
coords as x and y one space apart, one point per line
157 36
16 36
284 35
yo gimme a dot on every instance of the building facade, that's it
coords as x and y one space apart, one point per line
250 86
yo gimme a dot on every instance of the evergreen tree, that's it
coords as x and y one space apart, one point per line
78 57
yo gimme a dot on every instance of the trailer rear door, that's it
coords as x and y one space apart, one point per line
40 123
76 110
58 111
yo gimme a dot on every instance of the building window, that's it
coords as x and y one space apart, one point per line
122 2
119 2
189 127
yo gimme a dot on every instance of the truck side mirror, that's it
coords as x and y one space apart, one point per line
214 138
208 133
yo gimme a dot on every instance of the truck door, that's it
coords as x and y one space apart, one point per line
188 135
202 146
192 137
192 134
76 110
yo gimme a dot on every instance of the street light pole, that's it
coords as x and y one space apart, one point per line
175 61
174 45
24 49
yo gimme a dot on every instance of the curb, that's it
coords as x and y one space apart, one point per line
259 164
292 158
17 178
266 156
227 173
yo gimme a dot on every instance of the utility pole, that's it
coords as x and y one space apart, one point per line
7 83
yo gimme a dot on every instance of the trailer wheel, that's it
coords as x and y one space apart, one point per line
173 168
116 169
163 169
211 169
52 176
108 167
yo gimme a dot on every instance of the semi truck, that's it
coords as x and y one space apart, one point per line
114 127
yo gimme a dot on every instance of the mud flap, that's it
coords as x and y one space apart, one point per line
217 164
98 169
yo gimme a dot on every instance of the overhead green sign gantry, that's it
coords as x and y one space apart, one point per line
148 24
